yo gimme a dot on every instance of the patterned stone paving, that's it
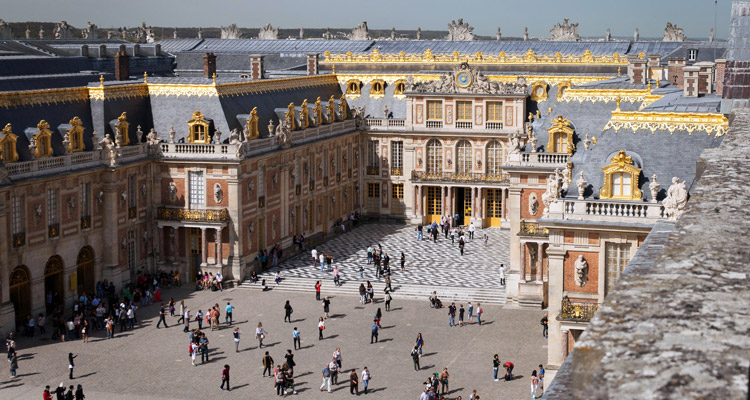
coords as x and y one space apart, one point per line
427 263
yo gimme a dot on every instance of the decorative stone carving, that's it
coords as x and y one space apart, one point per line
200 33
565 32
234 136
41 32
271 127
5 31
90 31
172 134
360 32
608 36
144 192
674 203
273 227
251 228
673 34
525 33
582 271
654 187
497 37
231 32
359 117
475 81
532 139
37 214
268 32
515 143
250 187
284 136
460 31
66 144
123 196
711 35
533 204
419 33
100 197
63 31
218 193
149 33
217 136
581 184
554 185
174 33
636 35
275 179
123 243
327 35
172 192
587 142
393 33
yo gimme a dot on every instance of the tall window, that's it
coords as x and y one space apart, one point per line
434 110
261 181
197 189
131 251
618 257
397 199
463 111
434 157
495 158
692 54
52 217
373 159
561 142
463 157
373 198
495 111
621 184
397 158
17 217
198 127
132 192
85 205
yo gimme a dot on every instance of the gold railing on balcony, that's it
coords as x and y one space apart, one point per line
86 222
373 171
132 212
472 177
53 230
532 229
397 171
577 310
19 239
182 214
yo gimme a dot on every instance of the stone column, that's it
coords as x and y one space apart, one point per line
540 263
219 259
513 205
555 257
204 248
450 204
523 262
473 202
175 249
444 200
564 344
111 269
162 246
418 206
480 205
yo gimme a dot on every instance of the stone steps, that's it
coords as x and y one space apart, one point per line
447 294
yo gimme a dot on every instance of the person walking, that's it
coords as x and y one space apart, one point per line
225 378
199 318
461 244
321 327
290 361
186 320
471 230
453 236
541 378
544 321
13 365
461 315
534 384
336 276
362 293
182 311
419 232
502 274
420 343
46 395
317 290
452 315
444 381
267 364
334 372
326 307
322 259
326 378
337 357
495 366
228 316
354 382
296 339
162 317
260 334
71 364
388 300
480 311
236 333
378 316
366 378
70 394
373 335
79 393
469 311
192 350
314 253
415 357
279 380
204 348
288 312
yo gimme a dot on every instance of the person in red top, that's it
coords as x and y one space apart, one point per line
225 378
508 370
317 290
46 395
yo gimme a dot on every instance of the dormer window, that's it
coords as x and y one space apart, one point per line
692 54
560 136
43 140
621 179
8 140
121 129
75 135
353 87
198 129
377 88
399 88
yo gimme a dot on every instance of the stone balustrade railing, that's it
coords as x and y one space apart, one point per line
472 177
544 159
612 210
391 124
72 161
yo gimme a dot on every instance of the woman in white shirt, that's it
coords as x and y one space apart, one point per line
260 334
321 326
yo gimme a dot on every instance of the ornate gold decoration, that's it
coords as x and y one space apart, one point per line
198 129
289 115
353 88
252 123
122 127
331 109
377 88
392 79
116 92
318 112
75 135
710 123
539 91
529 57
343 108
19 275
532 229
43 140
230 89
304 115
560 126
607 95
182 214
577 310
8 140
562 88
621 163
43 97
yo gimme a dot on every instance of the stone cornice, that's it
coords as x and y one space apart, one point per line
710 123
43 97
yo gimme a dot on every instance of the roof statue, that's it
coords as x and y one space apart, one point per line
608 35
231 32
565 32
360 32
460 31
89 32
328 35
498 34
393 33
200 33
174 33
711 35
636 35
124 33
477 83
41 32
63 31
419 33
28 32
301 33
149 33
673 34
268 32
5 31
525 33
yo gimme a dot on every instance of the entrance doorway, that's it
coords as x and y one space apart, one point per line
53 283
463 205
195 239
20 294
434 204
494 206
85 271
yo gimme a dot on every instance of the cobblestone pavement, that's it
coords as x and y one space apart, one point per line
427 263
150 363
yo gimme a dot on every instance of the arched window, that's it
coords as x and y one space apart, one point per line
75 135
43 140
353 87
621 179
85 270
8 145
463 157
399 88
20 293
198 128
377 88
560 136
434 157
495 158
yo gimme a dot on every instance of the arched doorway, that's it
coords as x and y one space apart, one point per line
85 272
20 294
53 283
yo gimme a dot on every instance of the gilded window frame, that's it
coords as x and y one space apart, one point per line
197 120
621 162
8 137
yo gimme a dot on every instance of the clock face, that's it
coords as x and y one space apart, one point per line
463 79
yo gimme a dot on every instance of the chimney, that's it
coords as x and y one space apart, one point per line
690 84
102 51
256 67
705 76
675 71
157 50
136 49
637 70
85 50
654 60
312 64
122 66
721 65
209 65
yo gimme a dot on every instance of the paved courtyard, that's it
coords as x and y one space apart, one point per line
150 363
427 263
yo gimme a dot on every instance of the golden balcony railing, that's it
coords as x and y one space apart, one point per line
397 171
373 171
472 177
577 310
532 229
19 239
182 214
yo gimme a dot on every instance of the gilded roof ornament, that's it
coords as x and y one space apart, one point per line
621 159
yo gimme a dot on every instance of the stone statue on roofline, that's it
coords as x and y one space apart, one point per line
636 35
28 32
525 33
360 32
231 32
5 31
565 32
673 34
284 135
327 35
608 36
654 187
268 32
174 33
676 200
460 31
200 33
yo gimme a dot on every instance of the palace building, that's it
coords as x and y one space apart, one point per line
229 146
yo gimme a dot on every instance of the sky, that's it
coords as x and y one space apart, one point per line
696 17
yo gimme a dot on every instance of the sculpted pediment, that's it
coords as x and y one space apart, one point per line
465 79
